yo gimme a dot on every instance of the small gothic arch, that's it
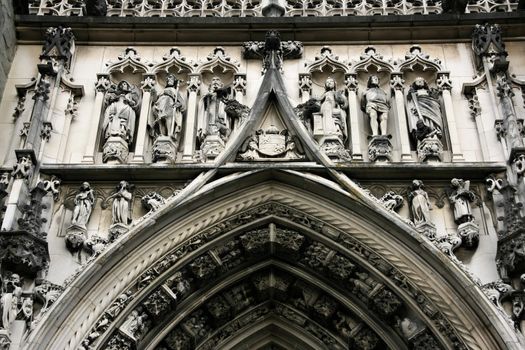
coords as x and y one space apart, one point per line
128 59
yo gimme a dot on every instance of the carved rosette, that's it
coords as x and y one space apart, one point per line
380 148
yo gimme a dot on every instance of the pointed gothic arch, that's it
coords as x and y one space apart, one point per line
350 230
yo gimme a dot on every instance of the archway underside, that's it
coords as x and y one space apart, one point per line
267 268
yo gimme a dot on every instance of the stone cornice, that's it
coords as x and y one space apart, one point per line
233 30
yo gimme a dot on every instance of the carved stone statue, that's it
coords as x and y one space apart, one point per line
122 204
165 124
167 110
120 115
10 300
216 121
135 325
333 105
420 208
152 201
76 233
375 103
84 201
425 119
460 198
392 201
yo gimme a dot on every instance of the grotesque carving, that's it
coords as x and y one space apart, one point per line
420 208
426 123
376 104
122 103
23 169
460 197
392 201
166 119
153 201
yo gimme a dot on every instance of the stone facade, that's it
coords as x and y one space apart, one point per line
252 188
7 42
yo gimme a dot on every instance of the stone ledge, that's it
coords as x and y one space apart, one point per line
237 29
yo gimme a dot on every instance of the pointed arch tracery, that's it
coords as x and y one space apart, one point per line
142 263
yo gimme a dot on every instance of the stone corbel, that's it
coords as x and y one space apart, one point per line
445 85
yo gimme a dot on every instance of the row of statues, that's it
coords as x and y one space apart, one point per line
219 114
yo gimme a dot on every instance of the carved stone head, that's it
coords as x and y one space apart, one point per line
417 184
171 80
420 83
330 84
216 83
85 186
373 81
123 86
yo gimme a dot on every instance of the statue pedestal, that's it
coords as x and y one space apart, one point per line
380 148
115 150
117 230
164 150
448 243
469 233
334 148
75 238
211 147
427 229
429 149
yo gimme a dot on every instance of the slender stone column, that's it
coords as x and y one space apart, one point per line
444 83
305 86
101 86
397 84
140 146
191 117
353 117
70 113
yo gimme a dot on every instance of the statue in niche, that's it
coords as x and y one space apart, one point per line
84 201
425 119
168 110
216 120
221 114
333 105
121 209
122 104
420 208
375 103
10 300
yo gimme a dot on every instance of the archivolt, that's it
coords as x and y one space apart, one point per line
348 231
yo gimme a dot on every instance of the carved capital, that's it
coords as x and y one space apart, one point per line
397 82
45 132
148 82
305 84
103 83
443 81
239 83
351 82
194 83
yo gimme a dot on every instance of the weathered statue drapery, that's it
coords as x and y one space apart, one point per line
121 208
10 300
215 119
333 105
425 119
84 201
168 110
419 204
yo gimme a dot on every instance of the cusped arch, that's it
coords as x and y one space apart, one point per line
128 59
139 263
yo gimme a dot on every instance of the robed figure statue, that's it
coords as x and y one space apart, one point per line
168 110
